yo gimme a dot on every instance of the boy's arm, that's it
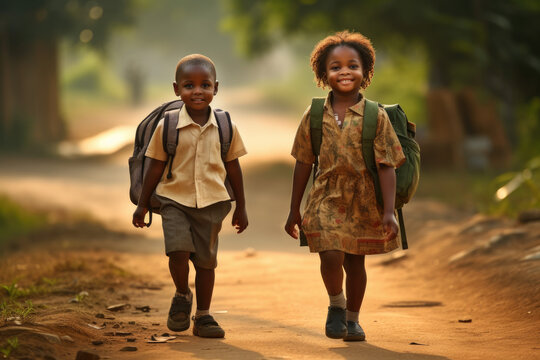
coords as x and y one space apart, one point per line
300 179
387 180
151 180
234 172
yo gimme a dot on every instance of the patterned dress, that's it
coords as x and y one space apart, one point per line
342 212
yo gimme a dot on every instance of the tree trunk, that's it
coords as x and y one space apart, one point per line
29 93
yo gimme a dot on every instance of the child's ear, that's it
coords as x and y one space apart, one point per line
176 88
216 85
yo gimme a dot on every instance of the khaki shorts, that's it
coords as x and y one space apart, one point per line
193 230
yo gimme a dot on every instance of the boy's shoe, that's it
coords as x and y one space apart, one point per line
354 332
336 324
206 326
180 312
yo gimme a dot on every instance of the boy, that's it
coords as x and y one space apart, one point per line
194 201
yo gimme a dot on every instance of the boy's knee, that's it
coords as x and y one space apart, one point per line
179 256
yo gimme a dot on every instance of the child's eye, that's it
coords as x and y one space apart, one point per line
205 86
334 68
354 66
188 86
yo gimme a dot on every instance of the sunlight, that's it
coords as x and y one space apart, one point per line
105 143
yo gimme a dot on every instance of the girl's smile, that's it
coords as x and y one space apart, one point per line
344 72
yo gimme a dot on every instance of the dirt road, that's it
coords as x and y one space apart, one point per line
269 296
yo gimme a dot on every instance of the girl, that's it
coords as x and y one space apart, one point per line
343 221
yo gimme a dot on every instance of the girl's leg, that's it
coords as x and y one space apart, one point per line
356 281
204 287
179 269
332 274
332 271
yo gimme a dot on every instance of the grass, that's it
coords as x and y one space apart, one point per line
9 346
16 220
475 191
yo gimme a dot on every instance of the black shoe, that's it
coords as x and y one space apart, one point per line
354 332
336 325
206 326
180 312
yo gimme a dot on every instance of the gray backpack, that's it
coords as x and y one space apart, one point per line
138 166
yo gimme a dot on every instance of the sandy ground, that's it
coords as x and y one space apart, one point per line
268 296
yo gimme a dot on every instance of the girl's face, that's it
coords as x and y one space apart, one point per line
344 73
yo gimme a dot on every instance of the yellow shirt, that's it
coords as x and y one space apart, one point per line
198 172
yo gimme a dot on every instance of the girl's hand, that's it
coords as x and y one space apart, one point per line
240 219
138 216
390 226
294 219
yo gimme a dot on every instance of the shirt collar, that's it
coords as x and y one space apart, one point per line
185 120
357 108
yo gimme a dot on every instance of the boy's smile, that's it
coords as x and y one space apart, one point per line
196 87
344 72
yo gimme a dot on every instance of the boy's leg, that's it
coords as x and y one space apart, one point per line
205 227
356 287
332 274
179 269
204 287
180 311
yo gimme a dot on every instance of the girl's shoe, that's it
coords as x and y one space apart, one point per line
206 326
179 313
354 332
336 324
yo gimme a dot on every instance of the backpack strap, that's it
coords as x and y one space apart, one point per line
315 128
223 120
170 136
369 130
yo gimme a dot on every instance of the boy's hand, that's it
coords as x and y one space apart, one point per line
294 219
138 216
240 219
390 226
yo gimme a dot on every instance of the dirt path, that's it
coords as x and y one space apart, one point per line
269 296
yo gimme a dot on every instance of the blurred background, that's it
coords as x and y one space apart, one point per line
77 76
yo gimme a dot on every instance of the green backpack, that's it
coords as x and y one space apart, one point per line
407 175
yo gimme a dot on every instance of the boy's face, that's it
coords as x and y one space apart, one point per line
344 73
196 86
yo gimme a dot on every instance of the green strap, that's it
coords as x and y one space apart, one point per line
315 124
369 130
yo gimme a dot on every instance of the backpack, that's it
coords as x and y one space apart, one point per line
138 166
407 175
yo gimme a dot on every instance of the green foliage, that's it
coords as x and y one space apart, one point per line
30 20
529 130
517 191
11 344
16 221
402 78
90 75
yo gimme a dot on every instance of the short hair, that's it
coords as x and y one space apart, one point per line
195 59
357 41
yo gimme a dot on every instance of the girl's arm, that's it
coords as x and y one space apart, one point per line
387 180
234 172
300 179
151 180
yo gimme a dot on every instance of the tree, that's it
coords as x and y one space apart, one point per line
489 45
30 32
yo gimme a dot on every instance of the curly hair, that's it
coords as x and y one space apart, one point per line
354 40
194 59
